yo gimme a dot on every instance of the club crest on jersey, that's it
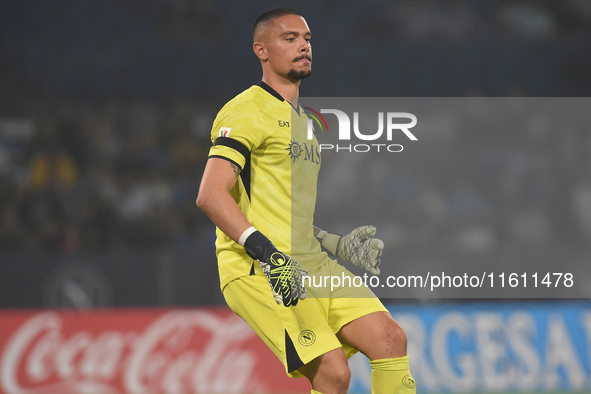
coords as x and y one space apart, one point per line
225 132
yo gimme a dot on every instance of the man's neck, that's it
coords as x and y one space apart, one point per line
289 90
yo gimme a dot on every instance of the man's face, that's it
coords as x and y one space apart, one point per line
288 48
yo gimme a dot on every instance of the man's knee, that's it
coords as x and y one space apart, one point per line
396 334
329 372
342 375
388 337
336 376
393 336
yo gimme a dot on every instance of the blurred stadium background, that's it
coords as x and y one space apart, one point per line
105 114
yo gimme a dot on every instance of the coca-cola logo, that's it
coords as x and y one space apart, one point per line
179 352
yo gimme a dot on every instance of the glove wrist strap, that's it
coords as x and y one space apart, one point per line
331 242
258 246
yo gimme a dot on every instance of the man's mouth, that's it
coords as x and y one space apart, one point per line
303 58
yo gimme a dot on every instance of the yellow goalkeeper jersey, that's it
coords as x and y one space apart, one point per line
267 138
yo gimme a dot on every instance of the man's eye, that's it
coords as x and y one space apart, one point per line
290 39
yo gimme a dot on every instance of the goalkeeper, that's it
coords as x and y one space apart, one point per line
260 191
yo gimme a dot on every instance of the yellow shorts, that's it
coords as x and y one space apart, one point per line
299 334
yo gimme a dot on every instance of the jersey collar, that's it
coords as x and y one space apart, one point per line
274 93
270 90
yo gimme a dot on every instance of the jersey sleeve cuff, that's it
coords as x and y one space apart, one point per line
229 154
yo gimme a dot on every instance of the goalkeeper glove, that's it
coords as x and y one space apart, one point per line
357 248
283 272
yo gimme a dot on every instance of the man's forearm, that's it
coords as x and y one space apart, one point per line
215 200
225 214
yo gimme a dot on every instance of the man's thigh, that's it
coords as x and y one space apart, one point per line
296 334
345 299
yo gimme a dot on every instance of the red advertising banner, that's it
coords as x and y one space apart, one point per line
205 350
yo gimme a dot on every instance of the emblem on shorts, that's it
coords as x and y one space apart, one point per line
307 338
294 150
408 381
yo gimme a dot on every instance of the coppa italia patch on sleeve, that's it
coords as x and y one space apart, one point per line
225 132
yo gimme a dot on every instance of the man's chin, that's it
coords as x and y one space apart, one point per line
299 75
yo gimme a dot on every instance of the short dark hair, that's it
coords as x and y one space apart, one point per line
271 15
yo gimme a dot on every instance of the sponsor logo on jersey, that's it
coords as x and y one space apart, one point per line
294 150
311 152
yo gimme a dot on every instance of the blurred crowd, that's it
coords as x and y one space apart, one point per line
125 175
461 20
495 178
114 171
102 176
162 49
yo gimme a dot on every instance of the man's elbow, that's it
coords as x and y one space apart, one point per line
207 201
201 202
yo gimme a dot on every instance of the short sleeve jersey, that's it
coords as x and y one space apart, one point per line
267 138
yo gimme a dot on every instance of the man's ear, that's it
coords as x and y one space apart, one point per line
260 50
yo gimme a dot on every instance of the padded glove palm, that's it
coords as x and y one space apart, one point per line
357 247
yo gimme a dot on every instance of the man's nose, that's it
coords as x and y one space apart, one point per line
305 46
